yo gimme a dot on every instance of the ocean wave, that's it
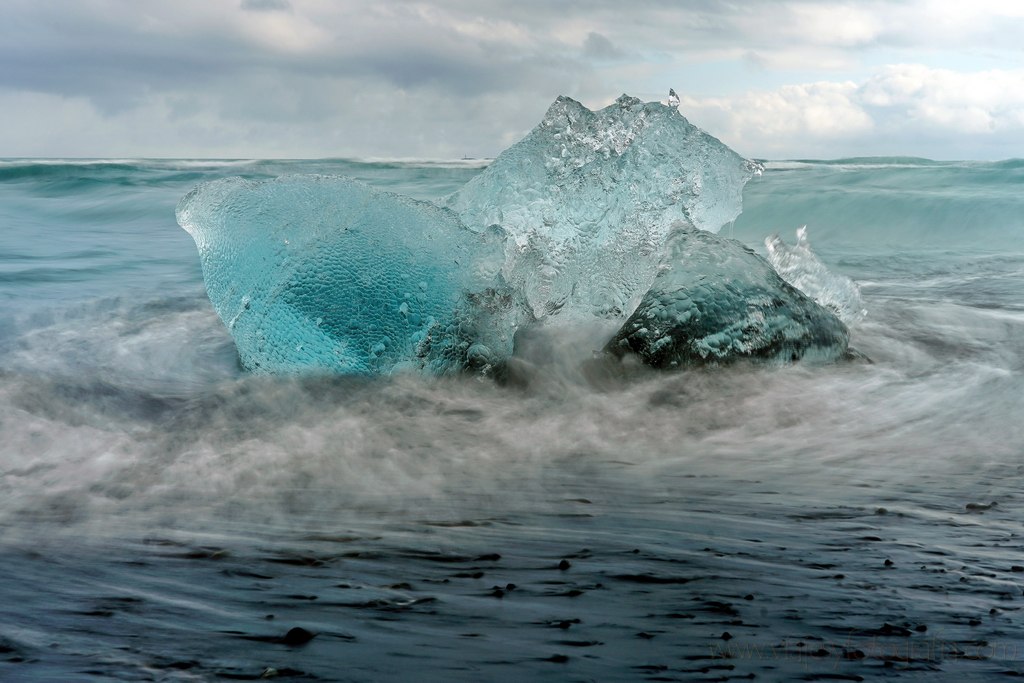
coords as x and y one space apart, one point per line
888 202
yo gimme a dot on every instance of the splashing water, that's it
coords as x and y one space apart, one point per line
801 267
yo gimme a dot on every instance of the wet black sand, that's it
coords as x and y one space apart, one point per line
702 577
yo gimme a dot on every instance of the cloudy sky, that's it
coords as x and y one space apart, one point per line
448 78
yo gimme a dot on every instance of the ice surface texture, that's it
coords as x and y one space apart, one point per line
589 199
801 267
315 273
716 300
569 226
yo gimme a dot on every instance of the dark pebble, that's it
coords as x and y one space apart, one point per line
920 628
974 622
889 563
1017 568
469 575
748 596
510 587
881 511
645 635
726 636
271 672
558 659
564 564
297 561
206 554
891 630
297 636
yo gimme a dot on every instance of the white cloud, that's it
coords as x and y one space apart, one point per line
903 109
791 117
974 103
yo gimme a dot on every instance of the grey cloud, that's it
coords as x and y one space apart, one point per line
598 46
112 64
755 60
398 77
267 5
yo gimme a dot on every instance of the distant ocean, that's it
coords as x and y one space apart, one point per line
166 517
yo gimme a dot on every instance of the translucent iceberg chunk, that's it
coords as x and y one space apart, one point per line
589 199
318 273
801 267
601 218
715 300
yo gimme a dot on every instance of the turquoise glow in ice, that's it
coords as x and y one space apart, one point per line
320 273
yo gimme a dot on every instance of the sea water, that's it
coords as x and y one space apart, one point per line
166 516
